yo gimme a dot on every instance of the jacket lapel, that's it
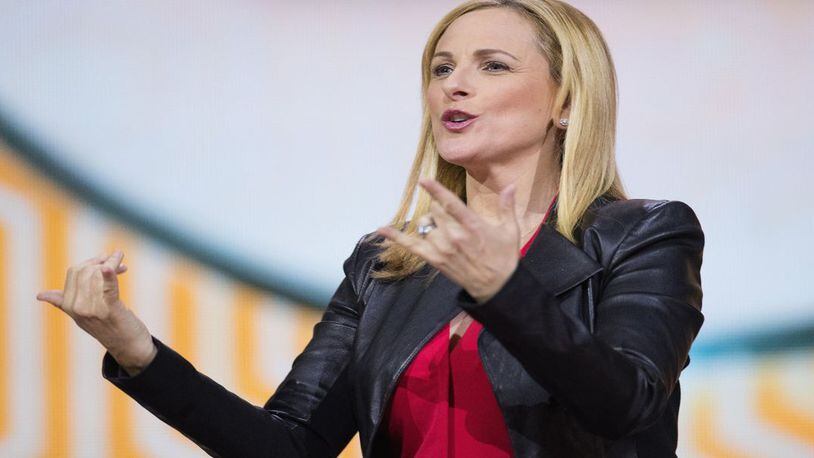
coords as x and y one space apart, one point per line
423 306
555 261
558 263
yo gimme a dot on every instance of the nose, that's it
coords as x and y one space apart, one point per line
457 85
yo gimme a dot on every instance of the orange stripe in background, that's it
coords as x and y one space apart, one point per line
246 316
705 436
776 409
182 320
54 210
56 354
5 346
121 414
182 312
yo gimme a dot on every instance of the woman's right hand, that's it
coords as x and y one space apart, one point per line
91 299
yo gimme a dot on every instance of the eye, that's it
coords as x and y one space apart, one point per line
494 66
441 70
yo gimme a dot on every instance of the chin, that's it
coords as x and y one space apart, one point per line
467 156
458 156
458 152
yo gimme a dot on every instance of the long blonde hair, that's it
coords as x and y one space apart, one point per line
581 65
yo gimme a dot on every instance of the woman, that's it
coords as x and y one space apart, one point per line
581 305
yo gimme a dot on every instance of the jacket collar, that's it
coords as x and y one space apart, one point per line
554 260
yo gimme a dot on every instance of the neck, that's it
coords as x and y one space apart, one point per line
536 177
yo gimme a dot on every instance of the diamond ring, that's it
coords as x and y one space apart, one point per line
424 229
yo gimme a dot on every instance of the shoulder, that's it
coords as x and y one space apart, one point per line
362 260
628 213
609 224
628 210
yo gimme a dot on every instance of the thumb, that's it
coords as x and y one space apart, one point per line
53 297
507 207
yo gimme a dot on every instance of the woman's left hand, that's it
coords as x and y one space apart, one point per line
477 255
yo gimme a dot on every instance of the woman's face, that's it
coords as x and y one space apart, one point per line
490 95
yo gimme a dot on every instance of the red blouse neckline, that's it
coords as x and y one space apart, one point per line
444 404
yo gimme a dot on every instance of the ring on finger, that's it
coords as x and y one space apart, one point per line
426 228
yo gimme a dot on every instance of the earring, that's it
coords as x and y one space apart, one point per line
564 122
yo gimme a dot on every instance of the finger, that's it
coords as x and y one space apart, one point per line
507 205
114 260
440 215
449 235
451 203
91 262
69 295
110 285
445 222
53 297
109 275
438 239
413 244
105 290
84 286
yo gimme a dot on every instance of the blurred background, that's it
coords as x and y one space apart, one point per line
237 150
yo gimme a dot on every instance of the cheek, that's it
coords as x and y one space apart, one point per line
434 100
435 106
520 115
522 107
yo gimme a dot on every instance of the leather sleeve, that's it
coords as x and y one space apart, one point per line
617 380
310 414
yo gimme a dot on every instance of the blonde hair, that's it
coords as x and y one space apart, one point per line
581 65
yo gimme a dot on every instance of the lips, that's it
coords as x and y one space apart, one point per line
457 120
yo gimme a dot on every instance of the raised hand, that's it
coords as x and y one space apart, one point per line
91 298
477 255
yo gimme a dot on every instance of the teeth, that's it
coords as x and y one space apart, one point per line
458 118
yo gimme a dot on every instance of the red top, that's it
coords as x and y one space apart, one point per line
443 405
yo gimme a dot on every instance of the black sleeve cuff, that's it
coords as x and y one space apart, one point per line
166 380
521 288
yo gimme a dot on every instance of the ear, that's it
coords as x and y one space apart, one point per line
561 121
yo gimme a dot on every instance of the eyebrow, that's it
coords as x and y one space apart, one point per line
478 53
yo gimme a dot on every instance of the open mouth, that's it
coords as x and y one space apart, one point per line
457 120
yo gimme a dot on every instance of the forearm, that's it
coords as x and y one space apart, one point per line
616 376
609 388
201 409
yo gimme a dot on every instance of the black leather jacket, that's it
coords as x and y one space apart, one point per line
583 346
